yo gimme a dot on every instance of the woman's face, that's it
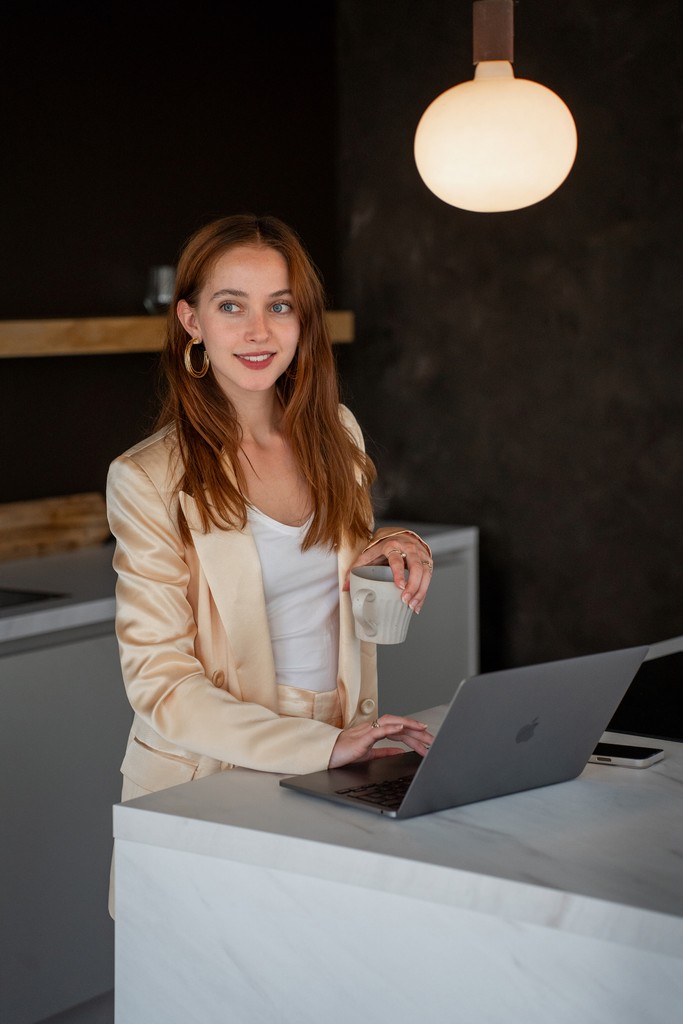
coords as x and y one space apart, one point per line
246 319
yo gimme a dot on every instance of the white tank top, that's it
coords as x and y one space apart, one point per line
302 602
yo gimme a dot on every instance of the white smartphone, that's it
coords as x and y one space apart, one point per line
626 754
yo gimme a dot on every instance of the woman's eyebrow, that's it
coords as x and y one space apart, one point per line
244 295
229 291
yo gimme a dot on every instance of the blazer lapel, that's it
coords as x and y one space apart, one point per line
230 563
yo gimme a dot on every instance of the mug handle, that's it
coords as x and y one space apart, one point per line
359 601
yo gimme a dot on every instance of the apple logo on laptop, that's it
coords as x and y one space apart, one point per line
527 731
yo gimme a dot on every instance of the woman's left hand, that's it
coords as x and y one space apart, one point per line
402 551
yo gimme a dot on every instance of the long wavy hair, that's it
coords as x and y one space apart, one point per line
339 474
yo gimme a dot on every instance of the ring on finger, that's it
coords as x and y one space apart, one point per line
430 565
397 551
375 724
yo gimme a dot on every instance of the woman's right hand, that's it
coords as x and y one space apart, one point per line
357 742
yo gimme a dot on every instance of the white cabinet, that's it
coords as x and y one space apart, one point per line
63 728
442 646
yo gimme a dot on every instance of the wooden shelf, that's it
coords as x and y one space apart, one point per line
107 334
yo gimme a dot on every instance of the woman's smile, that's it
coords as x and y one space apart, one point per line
256 360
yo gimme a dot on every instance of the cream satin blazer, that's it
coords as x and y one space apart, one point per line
194 641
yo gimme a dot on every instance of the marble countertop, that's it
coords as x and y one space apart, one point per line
599 856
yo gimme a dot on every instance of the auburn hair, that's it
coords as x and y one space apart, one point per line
338 472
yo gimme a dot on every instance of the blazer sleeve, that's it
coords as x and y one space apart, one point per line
166 684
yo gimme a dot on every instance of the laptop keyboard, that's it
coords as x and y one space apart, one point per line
387 794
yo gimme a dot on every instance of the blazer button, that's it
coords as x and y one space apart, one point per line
367 706
218 679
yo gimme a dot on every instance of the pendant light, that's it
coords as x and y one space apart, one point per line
497 142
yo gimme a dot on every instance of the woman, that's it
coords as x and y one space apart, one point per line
236 525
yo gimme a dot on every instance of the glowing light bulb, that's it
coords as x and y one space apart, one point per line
495 143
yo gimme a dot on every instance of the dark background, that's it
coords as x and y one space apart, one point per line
126 129
519 372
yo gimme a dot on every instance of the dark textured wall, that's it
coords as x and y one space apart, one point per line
126 127
522 371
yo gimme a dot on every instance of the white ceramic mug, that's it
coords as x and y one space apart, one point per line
380 615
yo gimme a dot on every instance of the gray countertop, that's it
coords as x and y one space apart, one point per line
83 581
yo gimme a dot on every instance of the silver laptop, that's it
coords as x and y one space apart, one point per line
503 732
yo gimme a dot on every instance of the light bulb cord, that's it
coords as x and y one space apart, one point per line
493 30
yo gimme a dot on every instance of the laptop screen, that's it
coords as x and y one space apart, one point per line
652 703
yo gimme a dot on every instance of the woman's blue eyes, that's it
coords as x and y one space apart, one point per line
277 307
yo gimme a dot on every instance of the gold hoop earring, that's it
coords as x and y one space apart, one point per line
188 359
